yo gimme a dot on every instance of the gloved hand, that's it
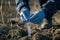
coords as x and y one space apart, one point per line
23 8
37 17
24 14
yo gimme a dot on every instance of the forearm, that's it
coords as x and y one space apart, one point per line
21 3
49 8
57 3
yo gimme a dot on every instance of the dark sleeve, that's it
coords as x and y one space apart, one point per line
42 2
22 3
49 8
57 3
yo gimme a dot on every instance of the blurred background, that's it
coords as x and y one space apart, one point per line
17 30
7 11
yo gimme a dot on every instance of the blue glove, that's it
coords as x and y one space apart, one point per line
24 14
37 17
23 9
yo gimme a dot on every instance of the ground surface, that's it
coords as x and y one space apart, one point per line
16 30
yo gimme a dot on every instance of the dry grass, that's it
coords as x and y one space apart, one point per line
18 30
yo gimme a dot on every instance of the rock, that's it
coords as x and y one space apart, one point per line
56 19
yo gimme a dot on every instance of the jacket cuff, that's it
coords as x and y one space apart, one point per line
49 9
